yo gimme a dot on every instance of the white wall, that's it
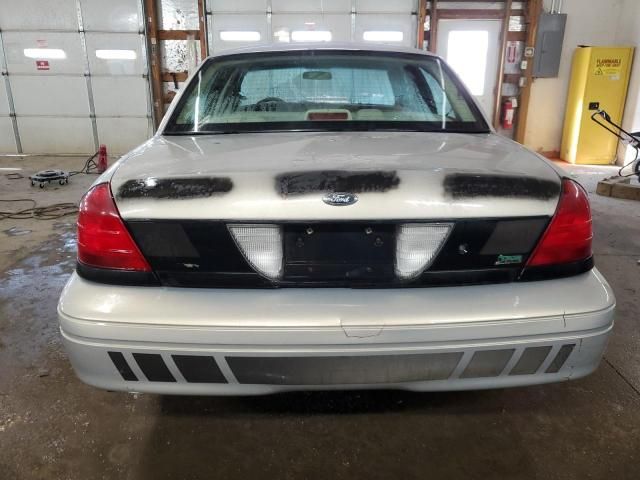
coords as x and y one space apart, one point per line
73 103
628 32
589 22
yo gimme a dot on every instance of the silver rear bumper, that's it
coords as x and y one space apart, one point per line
216 342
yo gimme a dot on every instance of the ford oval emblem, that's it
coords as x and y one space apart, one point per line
340 199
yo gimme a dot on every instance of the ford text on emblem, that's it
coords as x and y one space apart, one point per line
340 199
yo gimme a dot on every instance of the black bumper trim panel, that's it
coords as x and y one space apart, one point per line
560 359
122 366
153 367
199 369
344 370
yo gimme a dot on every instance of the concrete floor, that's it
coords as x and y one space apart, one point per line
54 427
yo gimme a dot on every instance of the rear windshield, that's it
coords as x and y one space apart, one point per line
324 90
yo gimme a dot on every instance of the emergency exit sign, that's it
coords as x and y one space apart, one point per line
42 64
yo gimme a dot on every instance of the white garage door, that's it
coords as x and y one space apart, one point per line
75 76
243 23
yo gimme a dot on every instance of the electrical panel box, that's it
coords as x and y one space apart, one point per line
599 81
549 41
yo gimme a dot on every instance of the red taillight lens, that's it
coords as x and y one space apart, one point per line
568 236
103 240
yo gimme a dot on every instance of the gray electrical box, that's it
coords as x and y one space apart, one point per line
546 62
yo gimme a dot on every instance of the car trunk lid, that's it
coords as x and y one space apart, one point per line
285 176
185 198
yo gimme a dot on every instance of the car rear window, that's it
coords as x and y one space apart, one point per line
324 90
338 85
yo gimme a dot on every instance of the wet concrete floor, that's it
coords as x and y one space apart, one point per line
54 427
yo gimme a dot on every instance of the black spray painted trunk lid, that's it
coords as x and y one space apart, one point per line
284 176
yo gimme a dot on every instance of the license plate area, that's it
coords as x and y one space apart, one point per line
321 252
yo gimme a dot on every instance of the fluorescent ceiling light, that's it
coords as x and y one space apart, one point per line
311 36
237 36
55 53
116 54
382 36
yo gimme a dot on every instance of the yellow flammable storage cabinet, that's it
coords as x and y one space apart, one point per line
599 81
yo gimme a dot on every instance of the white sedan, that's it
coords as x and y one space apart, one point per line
332 218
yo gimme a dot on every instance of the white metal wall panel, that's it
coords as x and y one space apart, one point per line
110 41
120 97
50 95
7 139
232 22
347 20
120 134
4 101
304 6
222 6
38 15
111 15
16 42
56 135
338 24
390 22
63 104
386 6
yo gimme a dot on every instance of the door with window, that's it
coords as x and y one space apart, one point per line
472 49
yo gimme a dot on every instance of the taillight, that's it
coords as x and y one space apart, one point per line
568 236
103 239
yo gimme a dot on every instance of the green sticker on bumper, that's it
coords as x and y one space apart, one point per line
508 259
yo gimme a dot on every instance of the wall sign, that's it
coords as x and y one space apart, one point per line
513 57
608 66
42 64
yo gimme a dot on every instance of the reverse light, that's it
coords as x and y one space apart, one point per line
261 245
417 245
568 237
103 239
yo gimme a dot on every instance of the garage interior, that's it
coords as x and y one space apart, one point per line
85 81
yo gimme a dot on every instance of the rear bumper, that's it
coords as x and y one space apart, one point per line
216 342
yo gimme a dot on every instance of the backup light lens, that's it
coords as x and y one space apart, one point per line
103 239
261 246
568 237
417 245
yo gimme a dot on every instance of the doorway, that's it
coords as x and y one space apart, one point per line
471 48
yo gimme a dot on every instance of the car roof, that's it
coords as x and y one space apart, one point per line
321 46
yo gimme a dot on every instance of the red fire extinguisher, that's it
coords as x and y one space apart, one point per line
102 158
508 113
